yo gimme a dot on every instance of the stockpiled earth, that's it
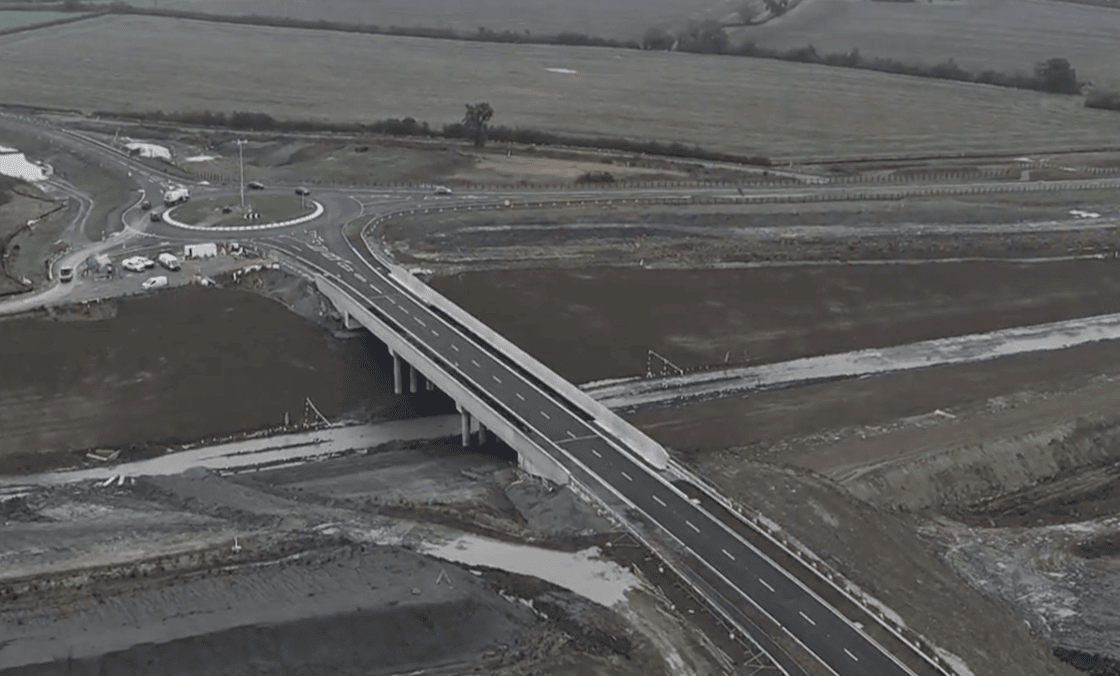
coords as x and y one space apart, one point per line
977 34
738 105
615 19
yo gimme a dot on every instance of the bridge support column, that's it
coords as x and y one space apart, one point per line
481 434
431 387
466 420
412 380
346 323
397 389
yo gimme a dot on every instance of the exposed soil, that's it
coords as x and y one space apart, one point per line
321 560
177 366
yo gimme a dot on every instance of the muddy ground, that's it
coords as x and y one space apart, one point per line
907 483
258 567
326 574
153 371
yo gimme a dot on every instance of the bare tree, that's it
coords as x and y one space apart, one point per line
478 114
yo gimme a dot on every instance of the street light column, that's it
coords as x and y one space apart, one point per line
241 163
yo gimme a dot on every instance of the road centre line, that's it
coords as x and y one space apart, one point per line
807 618
628 477
727 554
690 525
659 501
849 654
764 584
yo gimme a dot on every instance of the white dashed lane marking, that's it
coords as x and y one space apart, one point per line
476 363
765 585
519 396
727 554
690 525
596 453
659 501
807 618
849 654
627 476
546 416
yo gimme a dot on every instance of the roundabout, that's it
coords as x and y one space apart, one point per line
225 214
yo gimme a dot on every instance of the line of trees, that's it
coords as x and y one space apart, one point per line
255 121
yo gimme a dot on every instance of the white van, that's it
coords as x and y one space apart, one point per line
169 261
155 282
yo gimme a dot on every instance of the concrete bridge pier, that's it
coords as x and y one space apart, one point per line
431 387
481 434
348 323
397 385
412 379
466 420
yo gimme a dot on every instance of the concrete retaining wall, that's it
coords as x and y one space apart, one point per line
530 456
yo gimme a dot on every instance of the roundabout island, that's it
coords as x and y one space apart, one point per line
227 214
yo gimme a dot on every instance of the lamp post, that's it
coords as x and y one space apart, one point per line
241 163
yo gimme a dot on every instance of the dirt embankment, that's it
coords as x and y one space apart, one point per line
148 372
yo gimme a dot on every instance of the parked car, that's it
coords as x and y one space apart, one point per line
442 190
255 185
169 261
66 274
138 263
154 282
146 204
302 191
155 216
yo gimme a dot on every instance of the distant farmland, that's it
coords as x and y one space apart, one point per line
745 106
604 18
1003 35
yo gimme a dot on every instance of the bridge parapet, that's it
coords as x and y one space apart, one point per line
521 437
626 435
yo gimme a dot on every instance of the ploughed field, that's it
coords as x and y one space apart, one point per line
747 106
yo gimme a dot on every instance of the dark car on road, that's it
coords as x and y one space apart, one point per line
255 185
155 216
302 191
145 205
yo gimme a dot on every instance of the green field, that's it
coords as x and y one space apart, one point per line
1002 35
613 18
18 19
783 110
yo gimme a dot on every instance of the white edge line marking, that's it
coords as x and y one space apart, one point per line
628 477
807 618
546 416
764 584
690 525
659 501
849 654
727 554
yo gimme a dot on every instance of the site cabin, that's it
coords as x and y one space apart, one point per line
208 250
169 261
176 196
